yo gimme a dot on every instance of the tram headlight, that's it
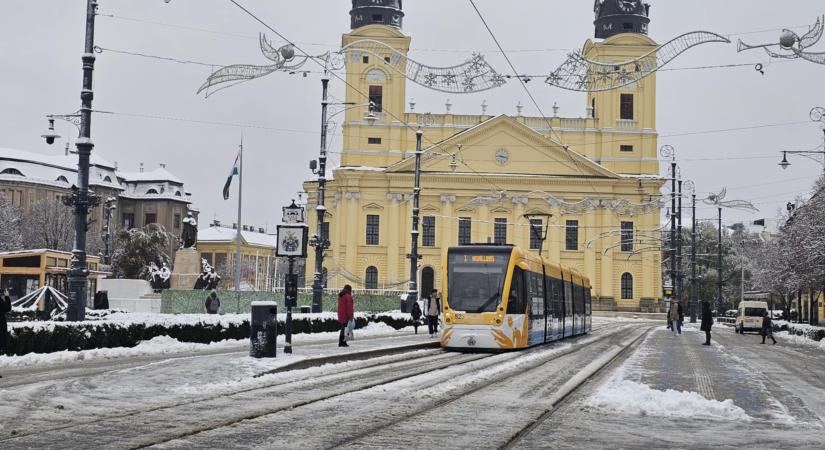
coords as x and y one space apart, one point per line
499 318
448 318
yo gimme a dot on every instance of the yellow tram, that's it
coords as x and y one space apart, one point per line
499 297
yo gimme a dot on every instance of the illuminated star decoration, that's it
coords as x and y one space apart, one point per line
793 46
580 74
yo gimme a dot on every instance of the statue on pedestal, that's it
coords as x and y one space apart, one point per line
189 236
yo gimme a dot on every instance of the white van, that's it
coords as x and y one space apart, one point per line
750 316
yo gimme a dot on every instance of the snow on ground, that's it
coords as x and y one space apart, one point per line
630 397
799 340
164 345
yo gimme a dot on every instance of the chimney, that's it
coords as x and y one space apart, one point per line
216 223
234 226
261 230
162 166
141 167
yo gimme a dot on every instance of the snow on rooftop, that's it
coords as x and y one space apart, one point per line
225 234
159 174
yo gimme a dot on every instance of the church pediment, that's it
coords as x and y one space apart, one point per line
430 208
504 146
374 206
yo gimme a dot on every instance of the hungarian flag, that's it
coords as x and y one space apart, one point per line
235 171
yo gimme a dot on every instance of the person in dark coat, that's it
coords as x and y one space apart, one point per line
767 328
433 311
5 307
707 321
346 312
416 316
681 313
213 303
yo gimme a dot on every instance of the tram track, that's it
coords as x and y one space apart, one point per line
588 340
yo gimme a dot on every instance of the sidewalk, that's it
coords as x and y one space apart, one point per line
736 393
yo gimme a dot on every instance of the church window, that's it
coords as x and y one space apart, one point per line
374 141
376 75
465 227
535 233
150 218
107 179
377 98
429 231
62 179
12 171
177 221
500 231
366 60
626 148
372 229
152 192
571 235
387 59
626 107
371 278
627 236
128 221
627 286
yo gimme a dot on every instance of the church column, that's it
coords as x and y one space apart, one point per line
648 284
521 226
555 235
356 231
606 289
447 230
394 235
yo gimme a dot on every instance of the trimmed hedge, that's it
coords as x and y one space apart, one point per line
192 302
60 336
812 333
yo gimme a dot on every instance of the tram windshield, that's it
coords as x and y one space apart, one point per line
476 280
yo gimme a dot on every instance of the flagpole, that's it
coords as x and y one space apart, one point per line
240 226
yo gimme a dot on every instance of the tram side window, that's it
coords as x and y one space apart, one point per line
568 299
515 303
588 301
558 298
536 294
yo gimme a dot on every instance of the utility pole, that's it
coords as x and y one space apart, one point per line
679 274
719 267
693 282
321 242
412 293
673 224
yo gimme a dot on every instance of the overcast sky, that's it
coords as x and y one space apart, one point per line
40 73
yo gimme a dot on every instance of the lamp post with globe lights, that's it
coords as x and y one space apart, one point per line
817 115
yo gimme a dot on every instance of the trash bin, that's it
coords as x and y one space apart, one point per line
263 330
403 307
306 309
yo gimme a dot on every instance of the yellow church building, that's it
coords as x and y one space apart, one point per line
598 176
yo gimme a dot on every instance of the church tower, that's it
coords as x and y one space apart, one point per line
628 114
373 76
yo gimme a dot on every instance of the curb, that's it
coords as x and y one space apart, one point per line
347 357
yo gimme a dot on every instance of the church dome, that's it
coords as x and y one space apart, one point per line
621 16
376 12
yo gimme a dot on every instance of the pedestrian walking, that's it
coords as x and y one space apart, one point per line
213 303
681 320
707 322
5 306
767 328
416 316
433 311
673 316
345 313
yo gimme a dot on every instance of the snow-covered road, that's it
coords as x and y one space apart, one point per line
214 401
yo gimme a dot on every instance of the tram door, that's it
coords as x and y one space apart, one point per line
568 307
555 308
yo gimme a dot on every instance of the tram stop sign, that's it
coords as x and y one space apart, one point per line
668 288
291 291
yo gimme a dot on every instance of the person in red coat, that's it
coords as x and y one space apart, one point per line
346 312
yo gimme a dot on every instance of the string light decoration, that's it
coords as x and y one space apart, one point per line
793 46
718 200
581 74
474 75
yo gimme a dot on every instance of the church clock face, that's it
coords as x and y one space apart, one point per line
502 156
627 5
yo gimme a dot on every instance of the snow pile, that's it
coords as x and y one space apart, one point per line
160 345
799 340
639 399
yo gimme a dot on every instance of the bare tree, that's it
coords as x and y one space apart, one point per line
48 224
10 238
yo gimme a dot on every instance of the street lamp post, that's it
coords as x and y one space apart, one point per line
669 151
817 115
693 281
719 266
679 272
321 242
108 207
412 293
81 199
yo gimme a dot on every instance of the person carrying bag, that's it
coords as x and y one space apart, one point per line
346 314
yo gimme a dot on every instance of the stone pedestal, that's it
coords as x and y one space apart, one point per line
186 270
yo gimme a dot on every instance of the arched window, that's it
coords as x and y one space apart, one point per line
152 192
178 194
12 171
627 286
107 179
371 280
62 179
